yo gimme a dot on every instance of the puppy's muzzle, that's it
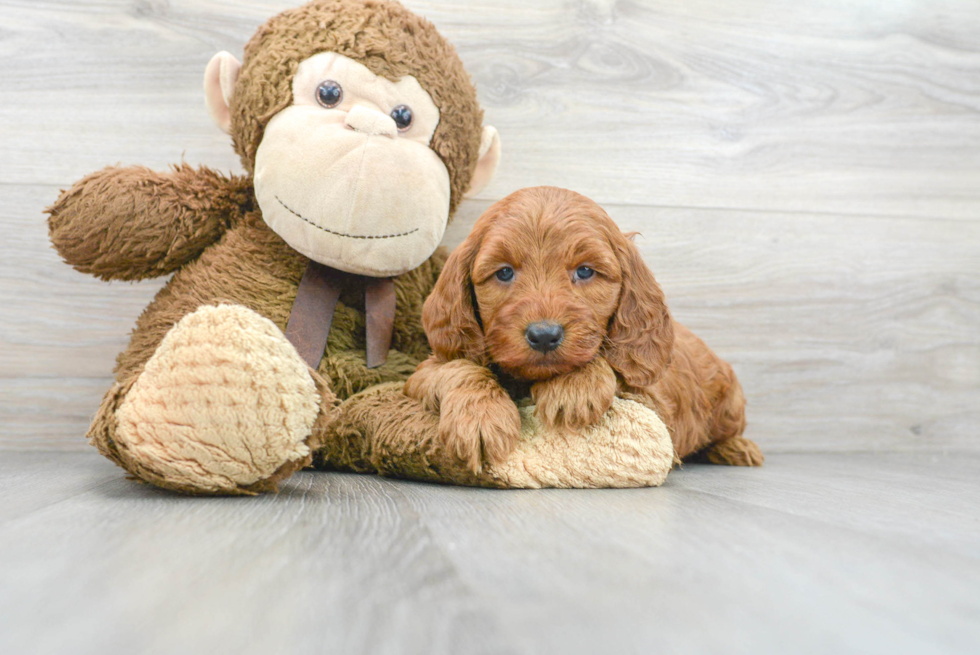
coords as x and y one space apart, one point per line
544 336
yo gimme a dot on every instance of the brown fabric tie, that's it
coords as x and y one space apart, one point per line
316 301
379 314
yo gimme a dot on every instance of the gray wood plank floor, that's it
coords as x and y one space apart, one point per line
814 553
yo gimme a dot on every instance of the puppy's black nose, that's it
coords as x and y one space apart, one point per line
544 336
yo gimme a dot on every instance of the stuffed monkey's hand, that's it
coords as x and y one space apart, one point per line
133 223
478 421
578 399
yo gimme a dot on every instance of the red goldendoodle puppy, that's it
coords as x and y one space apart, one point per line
547 298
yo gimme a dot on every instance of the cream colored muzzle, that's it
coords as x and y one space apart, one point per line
352 195
370 121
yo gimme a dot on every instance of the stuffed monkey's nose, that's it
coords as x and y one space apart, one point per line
371 121
544 336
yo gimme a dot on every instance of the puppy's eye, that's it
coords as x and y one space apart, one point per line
505 274
583 273
402 115
329 94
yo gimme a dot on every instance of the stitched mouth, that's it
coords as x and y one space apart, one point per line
344 234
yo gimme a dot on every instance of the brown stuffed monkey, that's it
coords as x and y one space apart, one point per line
300 284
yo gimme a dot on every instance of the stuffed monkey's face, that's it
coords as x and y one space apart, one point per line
345 174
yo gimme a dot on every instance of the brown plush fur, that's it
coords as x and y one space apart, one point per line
388 433
618 337
133 223
140 223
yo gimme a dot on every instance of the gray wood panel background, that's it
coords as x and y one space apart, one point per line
805 176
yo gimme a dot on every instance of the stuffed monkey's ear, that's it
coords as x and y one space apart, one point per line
219 87
449 316
640 340
487 165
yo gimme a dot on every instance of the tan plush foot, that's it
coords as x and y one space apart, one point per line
629 447
225 405
737 451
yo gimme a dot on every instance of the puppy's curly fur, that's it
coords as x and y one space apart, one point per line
549 254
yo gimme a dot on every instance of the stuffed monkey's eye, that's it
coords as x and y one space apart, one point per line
583 273
329 94
402 115
505 274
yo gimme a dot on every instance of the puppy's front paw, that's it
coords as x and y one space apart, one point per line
478 427
575 400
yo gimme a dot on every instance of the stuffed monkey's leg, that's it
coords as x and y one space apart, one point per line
224 406
382 430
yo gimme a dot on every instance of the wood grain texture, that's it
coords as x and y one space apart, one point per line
811 554
806 178
845 106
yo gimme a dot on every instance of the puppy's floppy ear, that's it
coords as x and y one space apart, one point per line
448 315
641 333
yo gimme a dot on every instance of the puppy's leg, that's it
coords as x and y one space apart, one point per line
477 419
728 445
578 399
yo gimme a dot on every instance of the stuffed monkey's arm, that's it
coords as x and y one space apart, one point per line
134 223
